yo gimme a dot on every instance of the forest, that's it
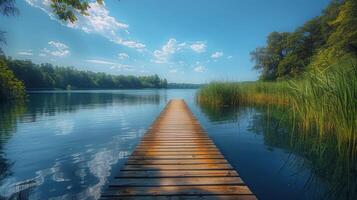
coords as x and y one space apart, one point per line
319 43
46 76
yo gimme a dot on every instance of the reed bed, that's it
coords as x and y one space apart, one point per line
219 94
323 101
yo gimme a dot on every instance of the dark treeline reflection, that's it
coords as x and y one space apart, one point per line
40 103
318 154
50 103
220 115
9 114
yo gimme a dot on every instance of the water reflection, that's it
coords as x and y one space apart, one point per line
9 115
52 102
68 145
313 164
65 145
220 115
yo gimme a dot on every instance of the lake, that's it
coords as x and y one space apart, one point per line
67 145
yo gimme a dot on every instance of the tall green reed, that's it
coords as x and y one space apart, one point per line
323 101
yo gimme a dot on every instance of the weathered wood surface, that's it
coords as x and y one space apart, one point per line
177 160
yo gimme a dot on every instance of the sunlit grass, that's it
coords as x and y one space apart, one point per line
326 100
235 94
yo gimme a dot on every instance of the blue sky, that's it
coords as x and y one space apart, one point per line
182 40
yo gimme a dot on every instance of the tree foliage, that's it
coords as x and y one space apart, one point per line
321 40
47 76
67 9
10 86
7 8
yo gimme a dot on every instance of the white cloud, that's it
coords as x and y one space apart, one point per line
123 56
56 49
163 55
217 54
58 45
113 65
131 44
182 45
98 21
229 57
101 62
25 53
172 46
198 47
200 69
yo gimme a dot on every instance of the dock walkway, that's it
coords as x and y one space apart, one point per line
177 160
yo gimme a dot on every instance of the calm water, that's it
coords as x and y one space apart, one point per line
63 145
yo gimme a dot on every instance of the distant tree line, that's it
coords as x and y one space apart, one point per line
47 76
320 42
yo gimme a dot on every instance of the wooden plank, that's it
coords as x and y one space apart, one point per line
176 159
173 137
176 162
207 166
176 135
179 150
165 137
188 143
186 197
159 139
176 144
165 153
181 181
178 173
176 130
173 146
178 190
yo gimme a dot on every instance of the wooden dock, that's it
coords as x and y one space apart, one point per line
177 160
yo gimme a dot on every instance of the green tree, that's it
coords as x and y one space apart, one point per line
7 8
319 43
67 9
10 86
342 40
268 58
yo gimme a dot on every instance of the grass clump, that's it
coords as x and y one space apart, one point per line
237 94
220 94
